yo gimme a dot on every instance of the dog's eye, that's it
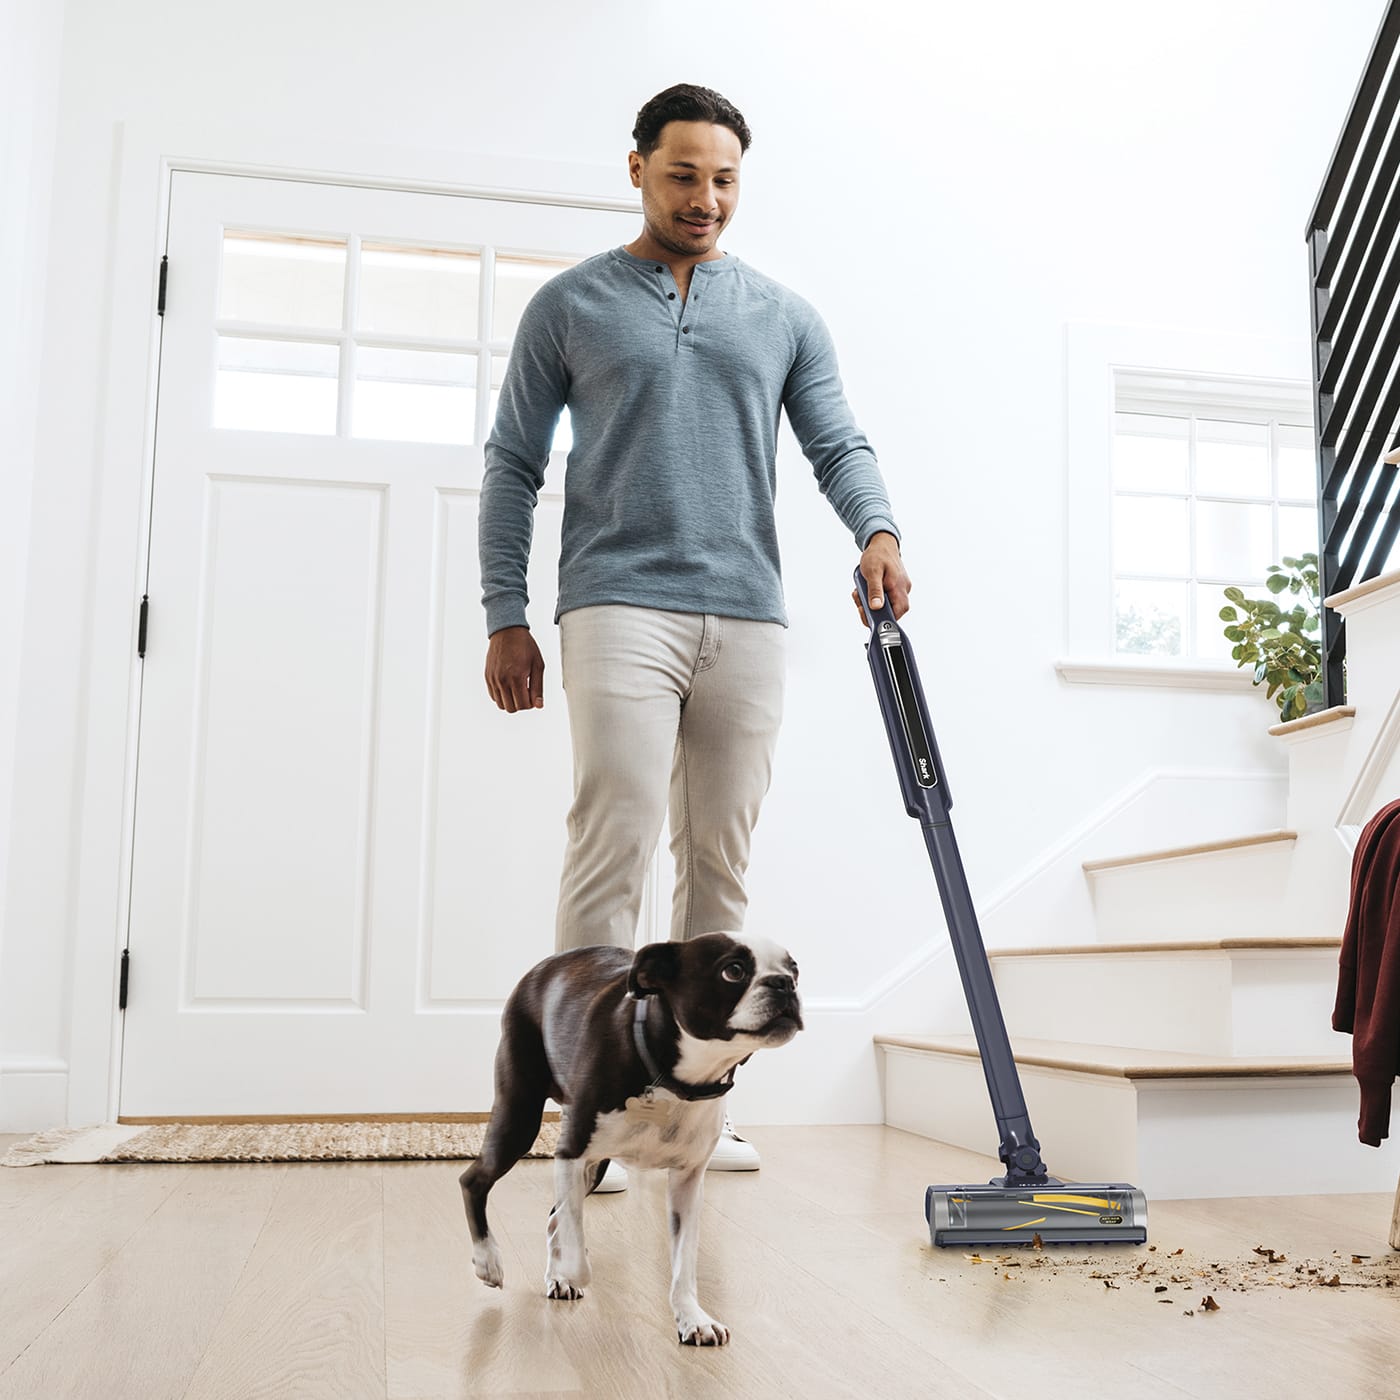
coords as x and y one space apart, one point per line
734 972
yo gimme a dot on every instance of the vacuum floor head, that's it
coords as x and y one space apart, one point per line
1056 1212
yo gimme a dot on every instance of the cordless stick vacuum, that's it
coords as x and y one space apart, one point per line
1027 1203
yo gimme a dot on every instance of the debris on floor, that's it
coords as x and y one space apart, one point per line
1174 1276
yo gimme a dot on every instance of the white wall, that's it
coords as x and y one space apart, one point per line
951 184
30 52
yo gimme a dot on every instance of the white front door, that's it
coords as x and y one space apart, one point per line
344 854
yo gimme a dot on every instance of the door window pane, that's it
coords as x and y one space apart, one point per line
282 280
1233 541
274 386
1150 618
1151 453
415 395
426 292
1232 459
517 280
1151 535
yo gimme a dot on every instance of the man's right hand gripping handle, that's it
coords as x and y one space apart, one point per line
515 670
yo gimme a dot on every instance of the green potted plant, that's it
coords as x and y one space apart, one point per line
1282 647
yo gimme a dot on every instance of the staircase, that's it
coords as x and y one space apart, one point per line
1200 1059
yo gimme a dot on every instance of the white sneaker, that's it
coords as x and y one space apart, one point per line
733 1153
614 1179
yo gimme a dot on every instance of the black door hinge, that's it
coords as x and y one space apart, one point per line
164 271
126 973
141 630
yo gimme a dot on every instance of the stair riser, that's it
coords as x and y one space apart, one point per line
1248 1004
1225 894
1247 1136
1373 659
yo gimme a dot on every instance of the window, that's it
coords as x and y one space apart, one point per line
334 336
1211 484
1188 469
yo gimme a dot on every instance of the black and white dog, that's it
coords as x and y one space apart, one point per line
641 1051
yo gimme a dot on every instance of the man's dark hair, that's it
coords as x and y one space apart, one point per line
687 103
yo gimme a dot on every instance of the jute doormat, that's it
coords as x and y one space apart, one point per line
263 1142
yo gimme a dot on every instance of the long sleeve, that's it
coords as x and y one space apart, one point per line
517 452
840 454
1368 986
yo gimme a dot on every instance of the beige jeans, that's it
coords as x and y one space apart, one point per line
664 705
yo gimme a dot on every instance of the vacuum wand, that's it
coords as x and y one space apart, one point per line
1027 1204
927 798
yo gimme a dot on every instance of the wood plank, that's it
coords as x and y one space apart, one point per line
1130 1062
139 1328
1204 848
1313 721
447 1333
58 1239
307 1316
1362 590
1179 945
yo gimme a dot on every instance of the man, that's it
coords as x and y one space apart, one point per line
674 360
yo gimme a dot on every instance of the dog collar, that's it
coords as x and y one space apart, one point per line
662 1080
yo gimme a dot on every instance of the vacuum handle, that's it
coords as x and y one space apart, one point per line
896 674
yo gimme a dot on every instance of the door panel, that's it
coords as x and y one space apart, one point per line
344 855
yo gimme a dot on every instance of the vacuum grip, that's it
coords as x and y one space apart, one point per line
902 705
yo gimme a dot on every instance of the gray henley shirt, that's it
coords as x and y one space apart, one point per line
674 404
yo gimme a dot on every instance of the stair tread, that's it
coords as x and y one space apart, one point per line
1126 1062
1181 945
1232 843
1314 721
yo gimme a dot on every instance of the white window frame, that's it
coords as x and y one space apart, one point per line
1220 368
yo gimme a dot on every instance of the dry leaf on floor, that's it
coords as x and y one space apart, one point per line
1208 1304
1272 1255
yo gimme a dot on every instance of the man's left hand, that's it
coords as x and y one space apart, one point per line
885 575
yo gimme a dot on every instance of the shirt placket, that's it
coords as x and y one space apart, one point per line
684 314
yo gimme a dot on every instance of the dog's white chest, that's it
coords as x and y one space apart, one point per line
663 1131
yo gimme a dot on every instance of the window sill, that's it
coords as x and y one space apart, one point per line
1167 672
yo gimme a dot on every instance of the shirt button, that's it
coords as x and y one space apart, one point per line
670 296
659 269
685 330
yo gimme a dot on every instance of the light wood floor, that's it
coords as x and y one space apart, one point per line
354 1280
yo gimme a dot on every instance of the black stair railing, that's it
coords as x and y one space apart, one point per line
1355 265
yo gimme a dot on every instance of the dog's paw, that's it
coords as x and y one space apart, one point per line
563 1289
486 1260
699 1329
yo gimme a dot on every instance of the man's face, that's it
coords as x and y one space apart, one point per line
689 185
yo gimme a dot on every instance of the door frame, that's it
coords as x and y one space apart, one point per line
145 155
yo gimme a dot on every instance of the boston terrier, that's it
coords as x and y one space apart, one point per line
640 1050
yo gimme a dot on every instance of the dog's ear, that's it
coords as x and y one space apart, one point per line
653 969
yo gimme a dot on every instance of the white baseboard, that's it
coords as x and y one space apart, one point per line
33 1095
